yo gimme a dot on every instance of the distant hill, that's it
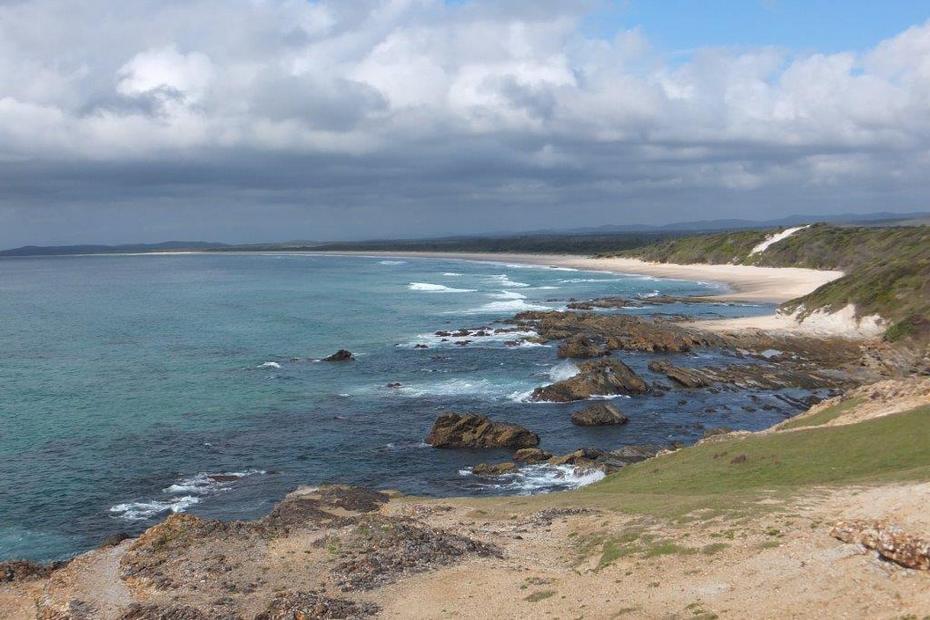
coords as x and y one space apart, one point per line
587 240
63 250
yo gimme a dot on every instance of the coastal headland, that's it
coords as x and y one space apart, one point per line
821 515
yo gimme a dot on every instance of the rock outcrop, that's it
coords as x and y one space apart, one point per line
890 541
340 356
617 331
601 377
531 455
494 469
599 414
580 346
682 376
455 430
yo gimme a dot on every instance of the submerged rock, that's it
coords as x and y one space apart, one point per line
469 430
602 377
599 414
340 356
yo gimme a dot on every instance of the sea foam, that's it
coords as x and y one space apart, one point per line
427 287
542 478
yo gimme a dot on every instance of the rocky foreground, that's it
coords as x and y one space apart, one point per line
839 550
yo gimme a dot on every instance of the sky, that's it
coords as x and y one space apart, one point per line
273 120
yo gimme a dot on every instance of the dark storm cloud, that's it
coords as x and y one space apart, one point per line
284 119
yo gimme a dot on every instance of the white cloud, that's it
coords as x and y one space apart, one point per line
503 94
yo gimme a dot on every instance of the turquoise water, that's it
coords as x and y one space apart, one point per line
128 380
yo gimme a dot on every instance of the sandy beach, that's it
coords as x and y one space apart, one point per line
743 283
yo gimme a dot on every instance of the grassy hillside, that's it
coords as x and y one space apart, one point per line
735 473
887 269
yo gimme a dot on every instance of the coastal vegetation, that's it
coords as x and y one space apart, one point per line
887 270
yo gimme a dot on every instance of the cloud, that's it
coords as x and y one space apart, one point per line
388 117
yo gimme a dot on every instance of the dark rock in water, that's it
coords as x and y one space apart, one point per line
580 346
494 469
312 605
683 376
635 454
511 343
420 346
223 478
617 331
114 539
714 432
339 356
393 385
581 456
531 455
454 430
599 414
602 377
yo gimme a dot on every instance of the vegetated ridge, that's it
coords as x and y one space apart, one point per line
887 270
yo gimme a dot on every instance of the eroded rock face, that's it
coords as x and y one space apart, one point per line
890 541
455 430
340 356
599 414
601 377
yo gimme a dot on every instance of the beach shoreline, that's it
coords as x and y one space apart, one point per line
743 282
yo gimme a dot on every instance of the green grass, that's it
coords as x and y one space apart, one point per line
702 479
887 268
822 417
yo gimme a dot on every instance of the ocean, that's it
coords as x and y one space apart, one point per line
136 386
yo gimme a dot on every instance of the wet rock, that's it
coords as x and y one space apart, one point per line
394 385
114 539
599 414
682 376
494 469
531 455
580 346
601 377
340 356
617 331
420 346
454 430
890 541
313 606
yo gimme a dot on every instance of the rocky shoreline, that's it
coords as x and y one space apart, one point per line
345 540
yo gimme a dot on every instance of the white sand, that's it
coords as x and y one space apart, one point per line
741 283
